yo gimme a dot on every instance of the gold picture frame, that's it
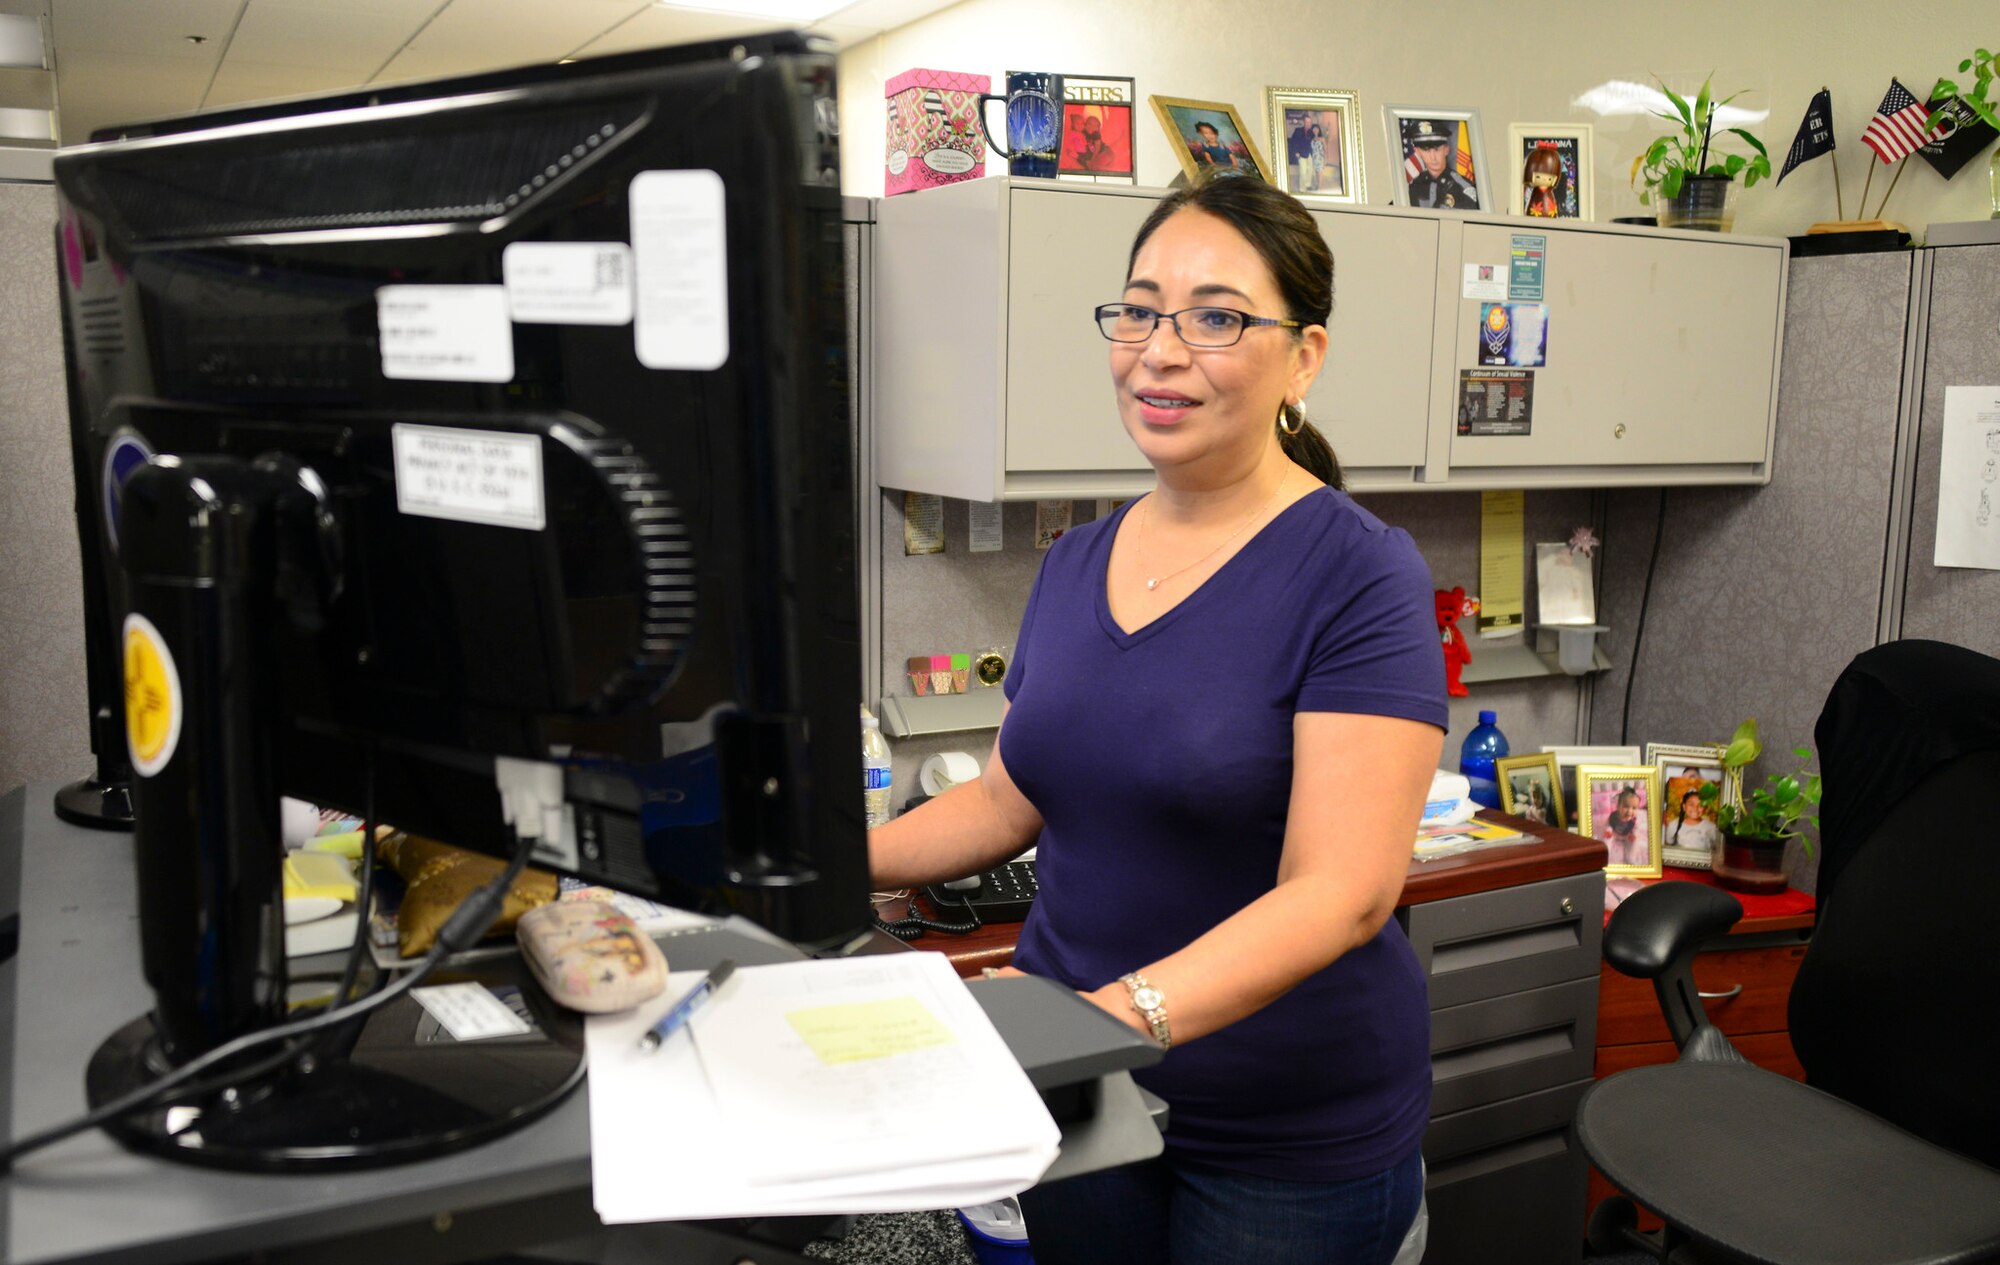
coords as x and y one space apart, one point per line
1515 772
1683 767
1600 788
1331 165
1231 148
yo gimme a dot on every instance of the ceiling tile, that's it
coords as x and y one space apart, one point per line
145 28
244 80
100 89
655 27
342 36
471 35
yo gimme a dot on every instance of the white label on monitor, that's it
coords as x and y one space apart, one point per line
678 249
445 333
469 476
568 283
470 1011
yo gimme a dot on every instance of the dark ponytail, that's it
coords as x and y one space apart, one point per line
1284 235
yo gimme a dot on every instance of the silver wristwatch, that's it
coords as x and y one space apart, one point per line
1151 1004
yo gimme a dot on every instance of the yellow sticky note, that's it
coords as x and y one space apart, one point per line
319 874
854 1031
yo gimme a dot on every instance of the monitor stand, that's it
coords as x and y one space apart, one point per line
96 805
217 551
400 1089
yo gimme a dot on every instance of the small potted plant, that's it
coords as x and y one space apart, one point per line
1756 828
1684 177
1984 67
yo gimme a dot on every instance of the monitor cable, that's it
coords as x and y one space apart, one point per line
1639 625
461 931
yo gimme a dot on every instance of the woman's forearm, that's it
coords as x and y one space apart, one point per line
963 831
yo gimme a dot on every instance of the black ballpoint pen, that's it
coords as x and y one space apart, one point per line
683 1010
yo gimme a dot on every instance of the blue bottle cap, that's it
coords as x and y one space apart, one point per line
1487 718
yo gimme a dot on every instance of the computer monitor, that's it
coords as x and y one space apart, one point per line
498 422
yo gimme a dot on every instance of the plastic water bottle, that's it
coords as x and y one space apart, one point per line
1482 747
875 774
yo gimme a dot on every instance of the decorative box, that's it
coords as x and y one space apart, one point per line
934 134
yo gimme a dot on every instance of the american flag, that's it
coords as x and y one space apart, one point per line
1898 126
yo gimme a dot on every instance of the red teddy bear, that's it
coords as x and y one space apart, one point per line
1451 604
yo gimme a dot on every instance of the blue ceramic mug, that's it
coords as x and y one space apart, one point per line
1034 122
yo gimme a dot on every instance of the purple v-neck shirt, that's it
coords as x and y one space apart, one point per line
1161 763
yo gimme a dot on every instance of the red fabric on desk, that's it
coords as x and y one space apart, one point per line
1755 905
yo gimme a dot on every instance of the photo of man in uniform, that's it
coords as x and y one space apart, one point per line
1432 145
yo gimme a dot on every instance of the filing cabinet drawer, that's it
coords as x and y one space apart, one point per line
1629 1010
1485 1051
1493 943
1505 1184
1465 1143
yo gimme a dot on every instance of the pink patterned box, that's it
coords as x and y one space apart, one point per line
934 135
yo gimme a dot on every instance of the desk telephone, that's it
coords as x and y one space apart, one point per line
1002 894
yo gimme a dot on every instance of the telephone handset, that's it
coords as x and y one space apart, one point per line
1002 894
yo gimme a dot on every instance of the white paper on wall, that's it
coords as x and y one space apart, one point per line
1968 519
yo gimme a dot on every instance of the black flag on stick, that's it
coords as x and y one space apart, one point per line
1961 134
1815 134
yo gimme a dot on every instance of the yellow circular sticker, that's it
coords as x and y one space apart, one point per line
153 705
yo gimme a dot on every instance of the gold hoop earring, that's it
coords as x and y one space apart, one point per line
1289 431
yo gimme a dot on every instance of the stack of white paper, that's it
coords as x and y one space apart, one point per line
812 1087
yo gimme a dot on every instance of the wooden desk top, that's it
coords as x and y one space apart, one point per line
1553 854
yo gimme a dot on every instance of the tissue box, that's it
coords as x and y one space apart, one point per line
934 135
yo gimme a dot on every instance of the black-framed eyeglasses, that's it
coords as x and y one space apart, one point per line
1197 326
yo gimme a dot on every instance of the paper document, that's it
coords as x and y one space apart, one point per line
811 1087
1968 516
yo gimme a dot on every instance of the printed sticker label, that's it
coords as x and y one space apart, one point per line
469 476
445 333
679 249
153 702
470 1012
568 283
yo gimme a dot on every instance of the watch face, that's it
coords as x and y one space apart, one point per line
1148 999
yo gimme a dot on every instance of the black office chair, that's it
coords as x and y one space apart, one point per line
1891 1150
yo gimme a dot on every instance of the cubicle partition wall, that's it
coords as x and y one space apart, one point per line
1761 595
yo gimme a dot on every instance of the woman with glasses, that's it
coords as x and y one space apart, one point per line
1224 710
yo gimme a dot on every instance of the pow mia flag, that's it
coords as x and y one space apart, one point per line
1815 134
1961 134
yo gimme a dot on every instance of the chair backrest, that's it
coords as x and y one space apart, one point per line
1897 1003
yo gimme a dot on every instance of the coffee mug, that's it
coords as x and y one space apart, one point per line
1034 122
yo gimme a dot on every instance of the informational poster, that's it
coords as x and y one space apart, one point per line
1502 561
1496 401
1052 519
923 524
983 522
1524 267
1514 334
1968 518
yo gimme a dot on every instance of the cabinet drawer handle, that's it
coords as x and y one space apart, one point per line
1720 996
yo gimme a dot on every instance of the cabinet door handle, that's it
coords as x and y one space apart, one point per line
1720 996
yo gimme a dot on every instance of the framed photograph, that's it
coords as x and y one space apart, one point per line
1689 836
1097 130
1315 135
1567 758
1619 805
1554 161
1209 137
1531 787
1440 157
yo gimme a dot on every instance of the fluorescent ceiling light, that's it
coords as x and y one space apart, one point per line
1622 96
21 41
27 125
800 11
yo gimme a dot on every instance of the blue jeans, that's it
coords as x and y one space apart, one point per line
1168 1210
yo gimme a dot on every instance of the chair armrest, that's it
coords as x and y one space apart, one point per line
1658 925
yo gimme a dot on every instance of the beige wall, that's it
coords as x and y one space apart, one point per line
44 725
1525 61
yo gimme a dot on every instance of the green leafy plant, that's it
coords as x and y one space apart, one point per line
1666 165
1984 69
1773 811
